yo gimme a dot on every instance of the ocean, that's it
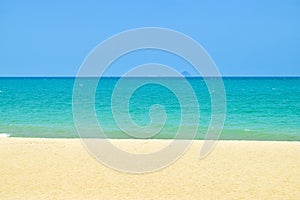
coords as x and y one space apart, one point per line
258 108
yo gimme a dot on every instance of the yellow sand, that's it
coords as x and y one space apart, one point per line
62 169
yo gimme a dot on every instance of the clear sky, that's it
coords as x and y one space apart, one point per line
50 38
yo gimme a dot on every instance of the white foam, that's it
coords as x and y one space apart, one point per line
4 135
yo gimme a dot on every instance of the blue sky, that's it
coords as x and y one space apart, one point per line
52 38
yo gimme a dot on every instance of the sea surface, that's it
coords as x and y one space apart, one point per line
256 108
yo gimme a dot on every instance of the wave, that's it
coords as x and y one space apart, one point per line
4 135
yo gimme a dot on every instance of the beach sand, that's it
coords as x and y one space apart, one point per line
62 169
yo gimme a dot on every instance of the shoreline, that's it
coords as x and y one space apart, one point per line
139 139
36 168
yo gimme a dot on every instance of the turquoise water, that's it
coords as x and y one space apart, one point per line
257 108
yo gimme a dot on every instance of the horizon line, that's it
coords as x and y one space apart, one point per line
190 76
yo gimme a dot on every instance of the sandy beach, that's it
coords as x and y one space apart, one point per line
62 169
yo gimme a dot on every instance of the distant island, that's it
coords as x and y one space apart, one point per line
185 73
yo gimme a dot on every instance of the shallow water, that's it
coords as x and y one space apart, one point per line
257 108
